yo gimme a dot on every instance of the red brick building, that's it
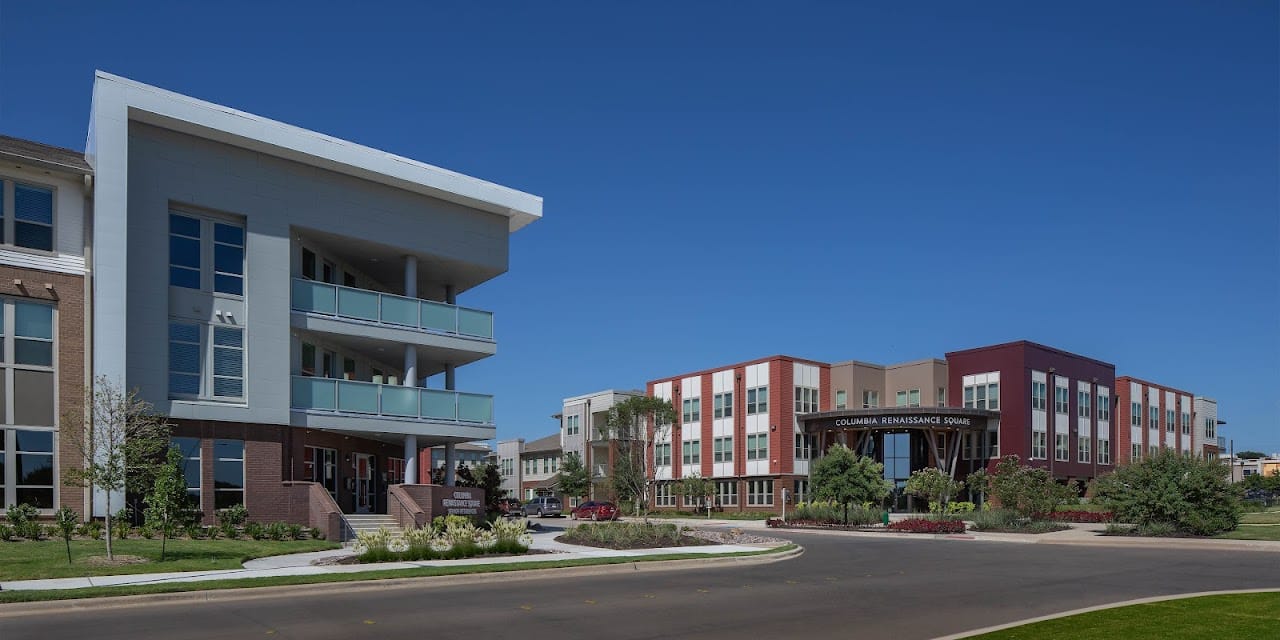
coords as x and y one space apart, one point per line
1152 417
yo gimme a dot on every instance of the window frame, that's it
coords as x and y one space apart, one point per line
691 452
208 243
9 214
722 449
244 488
754 450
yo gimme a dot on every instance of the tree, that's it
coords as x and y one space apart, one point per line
65 520
632 424
846 478
697 487
1250 455
168 503
489 479
575 480
977 483
935 486
1030 491
1190 493
120 440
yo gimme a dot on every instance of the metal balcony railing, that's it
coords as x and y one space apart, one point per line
392 401
350 303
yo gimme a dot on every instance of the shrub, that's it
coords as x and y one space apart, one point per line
933 485
1192 494
211 532
93 529
316 534
276 531
926 525
147 532
1028 490
255 531
955 508
7 533
1116 529
293 531
625 535
22 518
995 520
373 546
1157 529
194 531
831 513
1074 515
234 515
773 522
229 531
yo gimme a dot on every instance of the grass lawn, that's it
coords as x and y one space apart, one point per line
1250 615
715 515
1254 532
1264 517
48 558
98 592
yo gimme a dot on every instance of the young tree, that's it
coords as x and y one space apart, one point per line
1030 491
1170 487
935 486
66 520
699 488
168 503
120 440
489 479
575 480
977 483
632 424
847 478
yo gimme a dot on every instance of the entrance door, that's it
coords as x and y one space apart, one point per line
364 482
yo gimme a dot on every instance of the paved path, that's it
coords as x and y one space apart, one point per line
841 587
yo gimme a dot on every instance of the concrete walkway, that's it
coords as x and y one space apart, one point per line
300 564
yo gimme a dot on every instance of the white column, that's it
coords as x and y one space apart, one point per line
411 459
450 464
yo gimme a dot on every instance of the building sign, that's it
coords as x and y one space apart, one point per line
904 421
459 501
903 418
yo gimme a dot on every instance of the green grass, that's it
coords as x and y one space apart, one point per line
48 558
1256 532
715 515
1264 517
176 587
1250 615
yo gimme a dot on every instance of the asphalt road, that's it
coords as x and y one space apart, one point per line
841 587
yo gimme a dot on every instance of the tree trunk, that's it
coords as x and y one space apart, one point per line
108 520
68 541
846 514
164 539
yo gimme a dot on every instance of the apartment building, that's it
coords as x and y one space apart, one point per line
584 431
469 455
289 300
532 468
1153 417
45 194
1204 428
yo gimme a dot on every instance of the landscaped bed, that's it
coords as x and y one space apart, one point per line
631 535
446 538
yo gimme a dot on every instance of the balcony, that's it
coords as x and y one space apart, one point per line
368 406
391 311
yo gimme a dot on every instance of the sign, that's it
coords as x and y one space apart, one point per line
459 501
906 418
904 421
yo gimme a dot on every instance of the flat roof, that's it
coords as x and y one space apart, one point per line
1163 387
1028 344
170 110
626 392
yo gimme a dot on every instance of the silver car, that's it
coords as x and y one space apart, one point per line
543 506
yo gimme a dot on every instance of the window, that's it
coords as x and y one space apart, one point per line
1039 445
228 473
993 443
1083 453
692 451
1104 452
722 449
1061 400
1154 412
1210 426
1154 449
1135 453
1083 404
662 495
32 217
758 446
29 454
870 399
1186 423
1135 414
190 448
1062 450
942 396
908 398
1169 424
223 357
508 467
395 470
572 425
804 446
727 493
842 400
759 492
208 255
723 405
802 491
1104 408
692 410
32 334
757 400
662 454
806 399
1039 395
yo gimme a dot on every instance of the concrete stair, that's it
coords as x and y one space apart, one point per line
361 522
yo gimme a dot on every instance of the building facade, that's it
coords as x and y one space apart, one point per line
1152 417
584 431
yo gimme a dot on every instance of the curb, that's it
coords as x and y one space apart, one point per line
232 594
1101 607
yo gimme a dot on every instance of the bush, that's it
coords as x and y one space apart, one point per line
831 513
926 525
1080 516
1028 490
229 531
293 531
22 518
957 508
316 534
276 531
147 532
194 531
995 520
1156 530
255 531
7 533
1169 488
234 515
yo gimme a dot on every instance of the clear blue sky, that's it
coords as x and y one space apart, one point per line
735 179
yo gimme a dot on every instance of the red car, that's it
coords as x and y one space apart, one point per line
595 510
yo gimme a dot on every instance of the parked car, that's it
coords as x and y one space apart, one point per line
511 508
595 510
543 506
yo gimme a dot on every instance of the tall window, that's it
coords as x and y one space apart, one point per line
942 396
723 405
1039 395
228 473
757 400
1061 451
1154 412
663 496
320 465
1104 408
395 470
1039 445
1104 452
722 449
206 361
1135 414
802 491
662 454
993 443
804 446
727 493
870 399
842 400
692 452
759 492
32 217
27 390
758 446
206 254
1169 424
190 448
572 425
806 399
1186 423
1135 452
1084 403
692 410
1061 400
1082 450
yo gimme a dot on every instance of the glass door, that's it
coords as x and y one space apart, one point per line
364 483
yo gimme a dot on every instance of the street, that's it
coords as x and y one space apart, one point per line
840 587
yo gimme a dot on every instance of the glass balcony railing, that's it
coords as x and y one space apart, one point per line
323 298
414 403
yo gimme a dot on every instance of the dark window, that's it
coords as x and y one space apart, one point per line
33 217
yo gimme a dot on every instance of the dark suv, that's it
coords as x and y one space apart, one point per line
543 506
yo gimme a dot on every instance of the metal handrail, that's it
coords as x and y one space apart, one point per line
419 411
418 312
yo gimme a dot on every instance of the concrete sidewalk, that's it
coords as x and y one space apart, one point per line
300 564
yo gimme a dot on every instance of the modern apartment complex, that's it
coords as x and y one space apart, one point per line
1152 417
583 430
291 301
531 468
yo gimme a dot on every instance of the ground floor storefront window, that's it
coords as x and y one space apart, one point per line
228 473
26 467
